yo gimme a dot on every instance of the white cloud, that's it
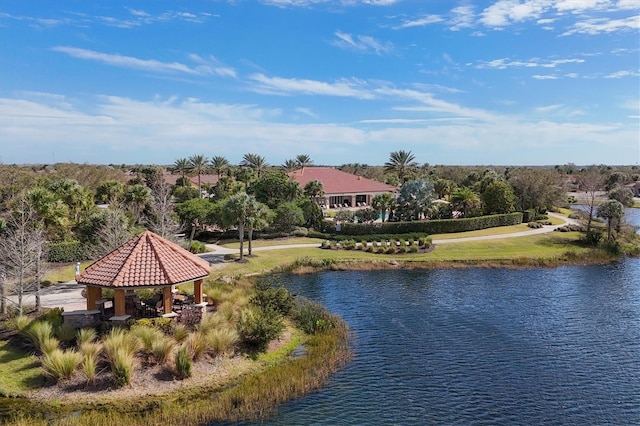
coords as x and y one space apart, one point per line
604 25
202 67
462 17
307 111
420 22
360 43
544 77
622 74
505 63
289 86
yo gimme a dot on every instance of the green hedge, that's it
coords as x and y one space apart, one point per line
65 251
442 226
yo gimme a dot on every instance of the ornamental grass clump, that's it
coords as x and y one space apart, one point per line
60 365
49 344
122 366
311 317
222 340
21 322
180 333
197 344
183 362
162 349
85 335
118 339
88 367
37 332
147 336
92 349
66 333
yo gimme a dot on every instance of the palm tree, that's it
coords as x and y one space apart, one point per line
314 189
382 203
259 218
183 167
401 163
464 199
256 162
303 161
612 210
238 210
244 174
198 165
219 164
136 198
289 165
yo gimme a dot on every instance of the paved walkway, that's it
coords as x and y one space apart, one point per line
69 295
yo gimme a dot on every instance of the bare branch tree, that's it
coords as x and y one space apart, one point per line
162 219
591 181
111 234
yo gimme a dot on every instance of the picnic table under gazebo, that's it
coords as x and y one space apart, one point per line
147 261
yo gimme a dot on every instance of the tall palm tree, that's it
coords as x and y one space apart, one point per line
238 210
219 164
289 165
198 165
303 161
260 217
183 167
401 163
244 174
464 199
256 162
613 211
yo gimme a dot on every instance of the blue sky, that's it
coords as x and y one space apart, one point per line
503 82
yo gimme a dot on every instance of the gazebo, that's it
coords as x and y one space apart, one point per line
145 261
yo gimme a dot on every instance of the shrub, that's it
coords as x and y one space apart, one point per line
534 225
268 297
311 317
162 349
197 247
52 316
593 237
300 232
183 363
163 325
258 327
65 251
60 365
413 248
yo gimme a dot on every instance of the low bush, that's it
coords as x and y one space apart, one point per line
593 237
534 225
197 247
270 297
570 228
258 327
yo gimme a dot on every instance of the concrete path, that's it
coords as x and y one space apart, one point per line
69 295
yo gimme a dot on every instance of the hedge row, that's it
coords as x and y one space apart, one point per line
442 226
65 251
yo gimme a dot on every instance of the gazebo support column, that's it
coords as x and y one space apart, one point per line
167 303
119 308
197 291
93 295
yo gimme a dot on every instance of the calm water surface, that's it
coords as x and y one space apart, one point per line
481 346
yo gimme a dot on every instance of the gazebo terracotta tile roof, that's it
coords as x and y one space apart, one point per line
145 260
335 181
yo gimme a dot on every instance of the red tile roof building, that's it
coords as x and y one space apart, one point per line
341 188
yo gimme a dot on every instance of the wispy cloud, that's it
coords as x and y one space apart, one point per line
360 43
505 63
604 25
461 17
352 88
544 77
201 67
420 22
622 74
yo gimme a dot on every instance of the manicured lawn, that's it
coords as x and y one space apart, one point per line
543 246
19 371
64 273
482 232
274 242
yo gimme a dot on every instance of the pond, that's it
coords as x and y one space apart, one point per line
480 346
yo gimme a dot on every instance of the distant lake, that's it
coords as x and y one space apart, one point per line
481 346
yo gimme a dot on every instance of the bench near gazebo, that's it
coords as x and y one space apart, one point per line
147 261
